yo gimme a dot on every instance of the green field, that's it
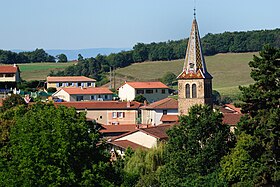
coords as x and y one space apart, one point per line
229 71
40 71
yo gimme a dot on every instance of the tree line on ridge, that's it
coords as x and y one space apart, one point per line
212 44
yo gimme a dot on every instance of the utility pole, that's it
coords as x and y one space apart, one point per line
110 77
114 74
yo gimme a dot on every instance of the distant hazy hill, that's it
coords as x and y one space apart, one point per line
86 53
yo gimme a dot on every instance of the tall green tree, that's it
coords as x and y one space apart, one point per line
195 148
62 58
80 57
53 146
143 167
264 94
260 125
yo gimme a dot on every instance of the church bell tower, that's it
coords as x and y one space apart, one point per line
194 83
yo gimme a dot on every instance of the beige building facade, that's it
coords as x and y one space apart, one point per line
108 112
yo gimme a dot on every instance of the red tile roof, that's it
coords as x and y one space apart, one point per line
231 119
87 91
158 131
147 85
9 69
226 110
70 79
231 106
125 144
167 103
155 131
101 105
169 118
117 128
193 75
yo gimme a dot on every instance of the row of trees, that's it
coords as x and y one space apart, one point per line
237 42
38 55
171 50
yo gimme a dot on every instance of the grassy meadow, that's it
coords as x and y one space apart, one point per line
40 71
229 71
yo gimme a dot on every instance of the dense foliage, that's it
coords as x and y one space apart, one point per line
61 58
256 158
202 152
38 55
12 101
171 50
50 146
237 42
169 78
195 148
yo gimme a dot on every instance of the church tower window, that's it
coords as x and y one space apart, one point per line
194 93
188 91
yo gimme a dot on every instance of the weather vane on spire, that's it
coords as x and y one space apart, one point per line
194 10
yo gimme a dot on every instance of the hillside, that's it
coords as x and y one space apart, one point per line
40 71
229 71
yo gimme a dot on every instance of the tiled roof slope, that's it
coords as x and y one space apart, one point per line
147 85
166 103
232 107
117 128
158 131
125 144
8 69
99 105
70 79
87 91
231 119
169 118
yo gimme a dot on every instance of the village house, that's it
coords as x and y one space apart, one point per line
165 109
142 138
231 115
84 94
9 76
152 91
69 81
108 112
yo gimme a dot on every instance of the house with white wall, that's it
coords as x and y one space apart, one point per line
152 91
9 76
69 81
84 94
142 138
153 113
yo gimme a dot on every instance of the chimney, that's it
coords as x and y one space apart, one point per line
128 104
15 65
145 103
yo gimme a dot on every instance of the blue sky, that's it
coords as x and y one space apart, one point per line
77 24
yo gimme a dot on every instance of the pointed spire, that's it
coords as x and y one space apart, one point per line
194 64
